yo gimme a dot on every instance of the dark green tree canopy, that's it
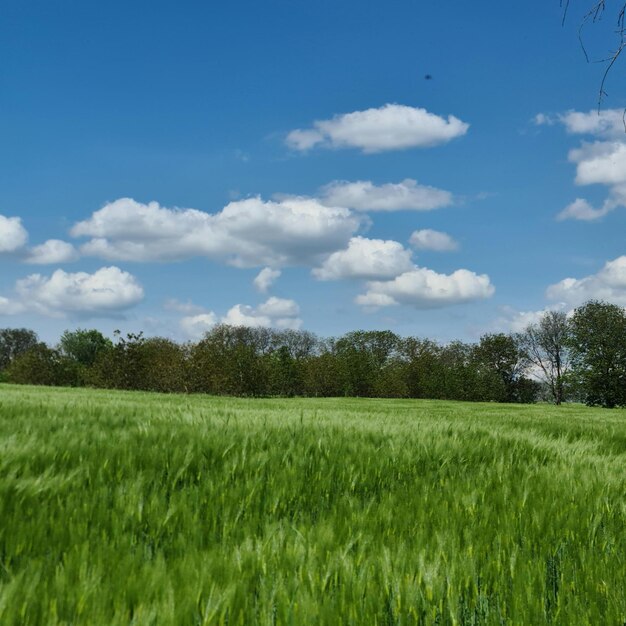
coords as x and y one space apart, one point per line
84 346
13 342
598 345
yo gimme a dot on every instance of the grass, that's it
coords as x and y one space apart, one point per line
133 508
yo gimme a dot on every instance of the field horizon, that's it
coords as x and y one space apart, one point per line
123 507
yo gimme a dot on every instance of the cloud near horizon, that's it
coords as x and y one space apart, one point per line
423 288
108 291
608 284
280 313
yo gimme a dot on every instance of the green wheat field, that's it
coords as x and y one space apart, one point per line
136 508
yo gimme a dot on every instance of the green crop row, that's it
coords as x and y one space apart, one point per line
136 508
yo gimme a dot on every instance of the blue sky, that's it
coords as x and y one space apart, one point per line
172 152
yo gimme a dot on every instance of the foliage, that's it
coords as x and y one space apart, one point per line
130 508
13 342
555 359
598 344
41 365
84 346
499 355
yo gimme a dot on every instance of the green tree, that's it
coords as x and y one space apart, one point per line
13 342
121 367
163 366
422 371
84 346
230 360
41 365
499 355
322 373
545 345
598 345
362 356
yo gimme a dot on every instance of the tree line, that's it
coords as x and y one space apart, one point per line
581 357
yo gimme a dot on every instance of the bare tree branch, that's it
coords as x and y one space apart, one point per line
594 15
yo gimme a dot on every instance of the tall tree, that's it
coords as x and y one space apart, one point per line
13 342
500 354
546 347
598 345
84 346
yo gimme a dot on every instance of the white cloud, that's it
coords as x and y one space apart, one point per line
304 139
516 321
274 312
428 239
13 235
10 307
608 284
106 291
195 326
277 312
390 127
604 123
423 288
244 315
366 258
580 209
51 252
265 279
245 233
363 195
544 119
279 307
600 162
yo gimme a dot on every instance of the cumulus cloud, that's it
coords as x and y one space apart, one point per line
194 326
602 161
390 127
13 236
363 195
245 233
14 239
366 258
513 320
424 288
108 291
53 251
604 123
265 279
428 239
273 313
279 307
608 284
244 315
